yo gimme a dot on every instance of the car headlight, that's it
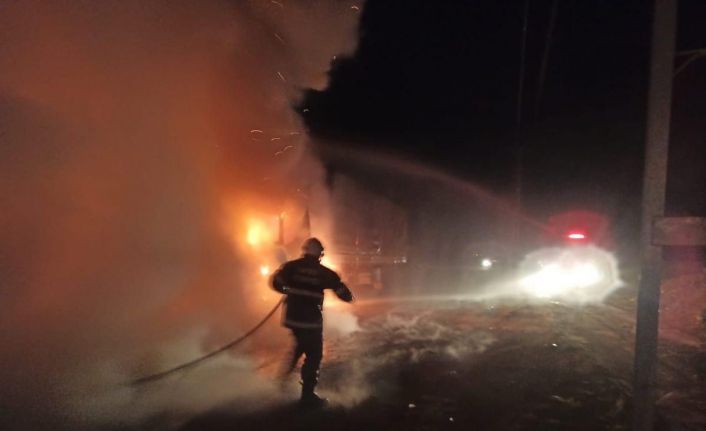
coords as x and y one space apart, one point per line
583 274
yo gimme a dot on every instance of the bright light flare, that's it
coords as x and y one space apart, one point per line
328 262
264 270
486 263
257 233
555 279
576 235
575 274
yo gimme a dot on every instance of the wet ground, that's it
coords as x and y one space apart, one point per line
463 365
446 365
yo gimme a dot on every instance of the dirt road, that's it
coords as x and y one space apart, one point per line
437 365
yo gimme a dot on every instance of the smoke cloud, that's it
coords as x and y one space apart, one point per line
576 275
137 140
401 336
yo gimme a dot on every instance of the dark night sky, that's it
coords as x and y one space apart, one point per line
436 81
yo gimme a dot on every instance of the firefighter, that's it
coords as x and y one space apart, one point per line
303 281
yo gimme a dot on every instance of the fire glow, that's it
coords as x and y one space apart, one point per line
327 261
146 148
257 233
264 270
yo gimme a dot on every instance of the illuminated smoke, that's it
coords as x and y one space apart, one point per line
581 274
339 321
577 275
137 138
393 338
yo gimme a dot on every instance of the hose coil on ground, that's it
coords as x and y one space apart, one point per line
194 362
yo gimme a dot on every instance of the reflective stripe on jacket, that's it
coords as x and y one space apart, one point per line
303 281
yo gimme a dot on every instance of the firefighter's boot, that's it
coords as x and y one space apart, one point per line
310 398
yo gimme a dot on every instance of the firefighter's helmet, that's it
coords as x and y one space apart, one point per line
313 247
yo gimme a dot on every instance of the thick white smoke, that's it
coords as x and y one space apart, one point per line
131 134
574 275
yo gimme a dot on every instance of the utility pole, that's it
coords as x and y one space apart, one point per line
545 57
519 145
659 102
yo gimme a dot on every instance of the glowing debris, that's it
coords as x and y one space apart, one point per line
283 150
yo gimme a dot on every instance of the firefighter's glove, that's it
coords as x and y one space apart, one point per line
343 293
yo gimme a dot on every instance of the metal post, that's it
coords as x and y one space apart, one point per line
545 58
519 145
654 187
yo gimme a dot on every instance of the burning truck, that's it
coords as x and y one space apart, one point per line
365 235
370 241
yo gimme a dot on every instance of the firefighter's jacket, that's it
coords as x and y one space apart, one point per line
303 281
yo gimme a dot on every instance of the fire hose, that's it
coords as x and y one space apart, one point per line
194 362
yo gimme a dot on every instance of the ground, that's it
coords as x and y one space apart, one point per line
453 364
